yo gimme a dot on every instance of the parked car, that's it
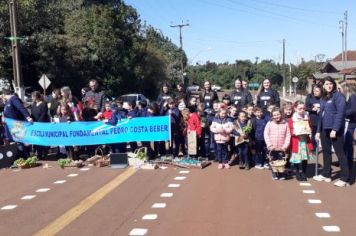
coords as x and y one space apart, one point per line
216 87
193 88
136 97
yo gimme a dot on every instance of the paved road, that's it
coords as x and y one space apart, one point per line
207 202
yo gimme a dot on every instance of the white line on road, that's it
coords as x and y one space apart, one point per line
322 215
173 185
167 195
42 190
314 201
84 169
180 178
150 217
138 232
309 191
72 175
159 205
331 228
28 197
304 184
184 172
60 181
9 207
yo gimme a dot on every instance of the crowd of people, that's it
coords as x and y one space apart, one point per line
250 131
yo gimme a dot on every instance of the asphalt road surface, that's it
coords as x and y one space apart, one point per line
105 201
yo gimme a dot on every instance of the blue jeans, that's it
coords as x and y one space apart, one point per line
242 152
260 146
221 153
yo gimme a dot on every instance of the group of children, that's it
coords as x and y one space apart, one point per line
275 134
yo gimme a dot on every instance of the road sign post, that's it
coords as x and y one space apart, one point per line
44 82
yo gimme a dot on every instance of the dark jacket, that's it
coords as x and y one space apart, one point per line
268 96
162 98
208 97
240 98
39 112
98 96
14 109
258 127
310 102
332 112
351 111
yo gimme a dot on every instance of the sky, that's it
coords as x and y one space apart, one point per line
228 30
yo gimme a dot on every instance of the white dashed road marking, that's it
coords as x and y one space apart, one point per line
331 228
150 217
167 195
304 184
9 207
159 205
85 169
28 197
72 175
42 190
60 181
309 191
180 178
184 172
322 215
314 201
173 185
138 232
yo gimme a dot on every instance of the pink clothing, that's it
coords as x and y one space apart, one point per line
277 135
222 129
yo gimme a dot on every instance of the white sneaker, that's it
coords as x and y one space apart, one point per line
321 178
341 183
260 167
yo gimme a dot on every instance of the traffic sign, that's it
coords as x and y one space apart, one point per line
44 81
295 79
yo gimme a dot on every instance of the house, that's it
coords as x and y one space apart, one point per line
339 70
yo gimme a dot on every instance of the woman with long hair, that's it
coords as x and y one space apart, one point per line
330 131
349 90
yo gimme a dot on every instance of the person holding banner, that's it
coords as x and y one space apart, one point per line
350 93
39 113
330 131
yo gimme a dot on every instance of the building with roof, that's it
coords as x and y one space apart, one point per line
339 70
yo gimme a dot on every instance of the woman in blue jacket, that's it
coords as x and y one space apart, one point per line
330 130
350 93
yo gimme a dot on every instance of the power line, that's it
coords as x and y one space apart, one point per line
296 8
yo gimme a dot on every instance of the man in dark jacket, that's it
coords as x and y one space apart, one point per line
96 95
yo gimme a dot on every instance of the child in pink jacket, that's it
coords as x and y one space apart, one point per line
277 137
222 128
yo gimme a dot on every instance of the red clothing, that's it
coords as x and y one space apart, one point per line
107 114
193 123
295 140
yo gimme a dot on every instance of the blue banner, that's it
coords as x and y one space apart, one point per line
90 133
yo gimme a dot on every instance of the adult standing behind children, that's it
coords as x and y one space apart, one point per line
240 97
349 91
208 96
331 132
312 105
96 94
267 95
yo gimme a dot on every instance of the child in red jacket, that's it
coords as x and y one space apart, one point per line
301 145
192 125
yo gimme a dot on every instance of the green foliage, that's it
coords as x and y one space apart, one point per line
73 41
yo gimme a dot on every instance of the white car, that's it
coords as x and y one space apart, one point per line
193 88
136 97
216 87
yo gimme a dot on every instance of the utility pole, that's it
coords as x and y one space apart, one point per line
342 31
181 46
284 69
16 60
290 79
345 31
